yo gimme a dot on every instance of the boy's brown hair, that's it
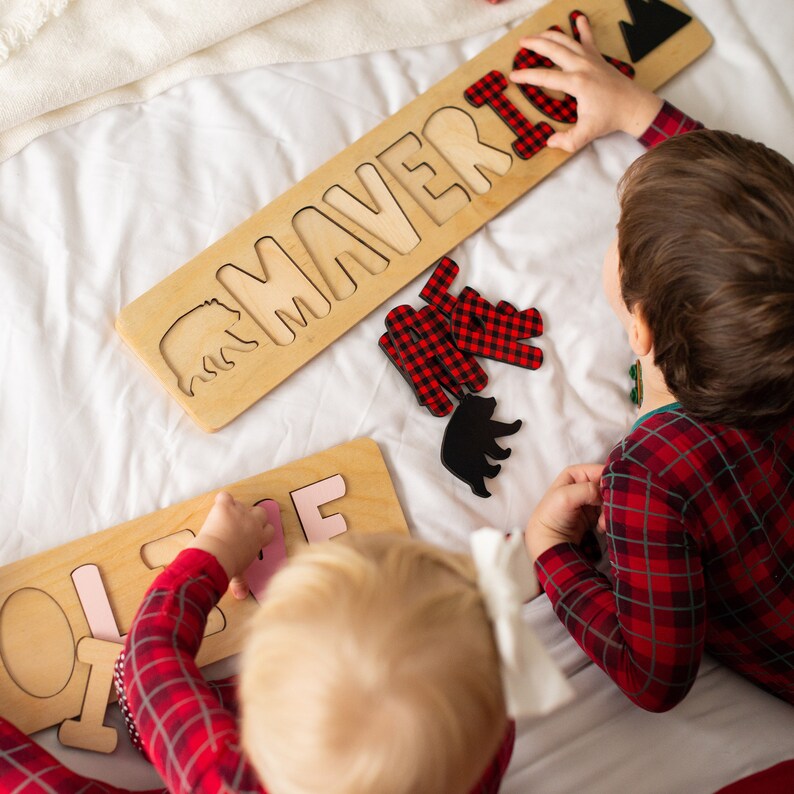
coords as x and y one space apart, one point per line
706 247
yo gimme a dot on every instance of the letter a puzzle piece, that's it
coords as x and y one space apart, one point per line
558 109
424 344
496 332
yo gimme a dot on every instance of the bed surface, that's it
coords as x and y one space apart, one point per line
93 215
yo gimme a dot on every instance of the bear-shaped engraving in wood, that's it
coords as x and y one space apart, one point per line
197 344
471 435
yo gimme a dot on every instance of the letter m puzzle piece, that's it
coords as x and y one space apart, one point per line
429 358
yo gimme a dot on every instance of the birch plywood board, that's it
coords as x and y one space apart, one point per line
239 318
44 622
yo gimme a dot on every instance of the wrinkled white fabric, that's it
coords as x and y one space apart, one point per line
101 53
533 684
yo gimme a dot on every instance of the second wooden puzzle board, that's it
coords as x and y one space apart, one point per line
64 612
239 318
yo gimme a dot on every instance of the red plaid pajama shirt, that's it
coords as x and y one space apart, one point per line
701 546
700 535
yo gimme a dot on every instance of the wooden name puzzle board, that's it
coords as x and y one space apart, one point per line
239 318
63 613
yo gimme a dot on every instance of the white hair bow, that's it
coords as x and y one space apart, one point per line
532 682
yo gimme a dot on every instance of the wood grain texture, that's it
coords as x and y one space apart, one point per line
43 677
224 330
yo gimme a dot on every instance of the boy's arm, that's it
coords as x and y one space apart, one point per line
191 739
647 632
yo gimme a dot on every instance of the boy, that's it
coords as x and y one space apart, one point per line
698 499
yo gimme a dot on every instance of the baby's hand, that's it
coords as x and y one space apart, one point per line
606 99
234 534
568 509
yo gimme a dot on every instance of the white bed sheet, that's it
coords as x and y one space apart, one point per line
93 215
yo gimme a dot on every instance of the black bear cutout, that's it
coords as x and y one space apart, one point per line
654 22
470 436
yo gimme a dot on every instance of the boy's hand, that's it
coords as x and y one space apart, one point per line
606 99
568 509
234 534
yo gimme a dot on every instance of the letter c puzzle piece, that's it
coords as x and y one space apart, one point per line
307 503
558 109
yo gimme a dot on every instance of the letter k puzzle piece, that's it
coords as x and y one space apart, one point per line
496 332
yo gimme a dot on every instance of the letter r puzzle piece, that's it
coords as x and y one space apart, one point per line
497 332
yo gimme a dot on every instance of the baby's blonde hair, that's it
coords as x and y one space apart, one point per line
371 667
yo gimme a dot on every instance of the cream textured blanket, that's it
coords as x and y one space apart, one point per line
64 61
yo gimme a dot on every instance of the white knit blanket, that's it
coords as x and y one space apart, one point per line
66 60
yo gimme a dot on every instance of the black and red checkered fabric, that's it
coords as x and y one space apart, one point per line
563 110
700 530
669 122
496 332
489 90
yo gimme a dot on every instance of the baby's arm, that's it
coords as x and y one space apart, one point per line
191 739
607 101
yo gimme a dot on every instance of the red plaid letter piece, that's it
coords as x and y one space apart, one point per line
436 291
489 90
558 109
497 332
437 371
424 345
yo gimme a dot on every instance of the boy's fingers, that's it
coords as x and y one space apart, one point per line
570 140
270 533
558 37
580 472
553 79
563 56
585 32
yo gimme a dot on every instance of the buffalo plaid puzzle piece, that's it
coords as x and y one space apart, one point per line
489 90
496 332
424 344
563 110
436 291
437 371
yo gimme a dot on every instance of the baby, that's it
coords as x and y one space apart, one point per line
698 499
373 665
